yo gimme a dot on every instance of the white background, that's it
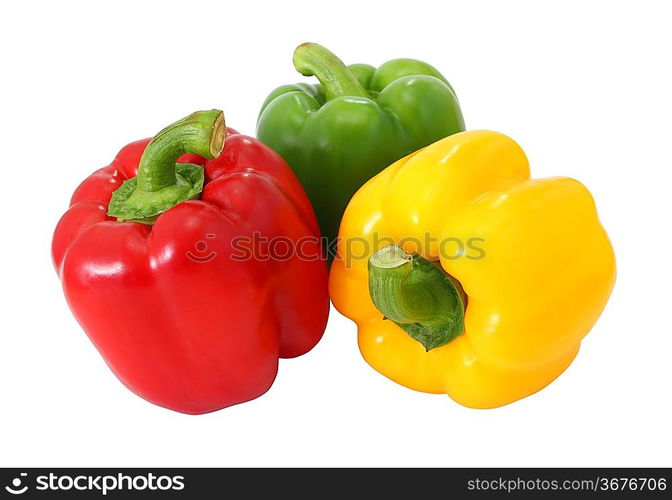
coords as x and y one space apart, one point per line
584 87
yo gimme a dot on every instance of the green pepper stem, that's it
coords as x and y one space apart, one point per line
311 59
417 295
202 133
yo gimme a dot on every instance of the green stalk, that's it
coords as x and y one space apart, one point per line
162 183
311 59
417 295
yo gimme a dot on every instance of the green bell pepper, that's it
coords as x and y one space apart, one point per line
338 134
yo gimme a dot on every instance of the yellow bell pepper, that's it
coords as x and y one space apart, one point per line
488 280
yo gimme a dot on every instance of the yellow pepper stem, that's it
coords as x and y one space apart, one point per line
417 295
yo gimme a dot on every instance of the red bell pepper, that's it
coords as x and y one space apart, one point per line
182 296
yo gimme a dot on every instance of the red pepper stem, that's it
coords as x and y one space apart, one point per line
202 133
162 183
311 59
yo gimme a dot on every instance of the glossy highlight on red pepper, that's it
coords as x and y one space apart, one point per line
177 312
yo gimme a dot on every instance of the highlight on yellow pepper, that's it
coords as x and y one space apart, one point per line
467 277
